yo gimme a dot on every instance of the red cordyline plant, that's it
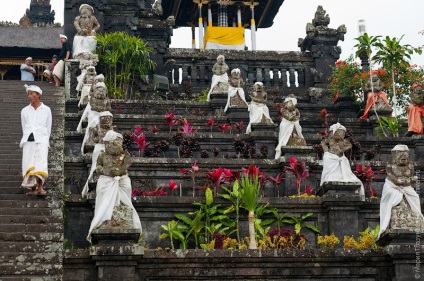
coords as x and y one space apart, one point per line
239 127
277 181
188 129
366 175
156 192
299 170
253 171
210 124
172 185
217 177
139 138
154 129
193 172
170 120
223 127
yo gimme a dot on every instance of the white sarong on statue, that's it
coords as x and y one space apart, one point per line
85 93
286 129
93 119
232 91
256 111
111 192
98 148
215 80
87 109
59 70
335 168
392 195
83 44
34 160
80 79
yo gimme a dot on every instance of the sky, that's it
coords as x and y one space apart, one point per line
382 17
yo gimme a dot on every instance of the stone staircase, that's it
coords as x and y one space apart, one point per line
31 227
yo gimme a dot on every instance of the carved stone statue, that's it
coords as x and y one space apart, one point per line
416 110
219 78
236 96
157 7
290 130
88 80
258 110
400 204
96 135
335 165
114 208
375 96
86 25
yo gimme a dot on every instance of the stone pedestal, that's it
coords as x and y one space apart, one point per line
381 113
342 204
237 114
116 253
71 73
406 251
302 153
218 100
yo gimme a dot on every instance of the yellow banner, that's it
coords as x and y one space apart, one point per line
224 35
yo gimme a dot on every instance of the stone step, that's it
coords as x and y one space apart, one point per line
29 219
31 211
32 228
38 259
31 270
20 237
30 245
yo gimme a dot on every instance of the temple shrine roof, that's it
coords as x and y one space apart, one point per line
186 11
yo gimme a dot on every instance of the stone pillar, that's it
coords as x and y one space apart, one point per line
71 73
341 203
201 43
406 250
253 28
116 253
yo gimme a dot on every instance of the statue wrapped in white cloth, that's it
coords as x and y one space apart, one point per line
290 130
97 134
114 208
336 167
400 204
84 84
236 96
86 25
258 110
219 78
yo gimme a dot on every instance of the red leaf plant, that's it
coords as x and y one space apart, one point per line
210 124
139 138
156 192
172 185
218 176
222 127
187 129
253 171
170 120
193 172
154 129
366 175
277 181
239 127
299 170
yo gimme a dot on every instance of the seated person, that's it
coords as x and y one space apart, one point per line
64 55
48 73
375 96
27 71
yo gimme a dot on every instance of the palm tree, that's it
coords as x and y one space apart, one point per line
251 195
392 55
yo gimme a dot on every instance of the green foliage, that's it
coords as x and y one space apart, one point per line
203 96
175 231
393 124
366 239
250 192
234 196
298 222
125 58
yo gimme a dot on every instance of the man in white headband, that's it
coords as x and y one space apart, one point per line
64 55
36 121
27 71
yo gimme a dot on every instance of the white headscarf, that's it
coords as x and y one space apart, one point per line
28 58
63 36
235 70
86 5
105 113
100 84
33 88
337 126
293 100
400 147
112 135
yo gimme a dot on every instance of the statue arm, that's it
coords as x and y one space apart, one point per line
127 160
96 24
99 164
76 24
324 144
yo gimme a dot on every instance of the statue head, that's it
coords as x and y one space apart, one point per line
337 132
290 102
376 84
91 71
100 91
86 10
417 94
105 120
236 73
220 59
113 143
258 87
400 155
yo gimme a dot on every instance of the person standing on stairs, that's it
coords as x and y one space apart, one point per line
36 120
27 71
64 55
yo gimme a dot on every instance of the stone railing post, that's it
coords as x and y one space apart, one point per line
71 74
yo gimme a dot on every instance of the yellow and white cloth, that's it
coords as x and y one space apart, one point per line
229 38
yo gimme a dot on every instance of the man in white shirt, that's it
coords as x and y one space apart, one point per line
36 119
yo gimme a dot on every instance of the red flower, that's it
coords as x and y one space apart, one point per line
154 129
138 130
217 177
222 127
172 185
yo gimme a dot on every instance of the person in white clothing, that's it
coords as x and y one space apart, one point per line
36 120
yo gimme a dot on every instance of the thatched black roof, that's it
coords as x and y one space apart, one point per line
30 37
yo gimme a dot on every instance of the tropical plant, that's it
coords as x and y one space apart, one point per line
277 181
328 241
170 120
298 222
394 124
250 194
299 170
366 175
234 196
366 240
218 176
193 172
139 138
125 57
173 230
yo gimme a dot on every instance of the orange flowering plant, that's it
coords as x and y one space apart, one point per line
347 79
